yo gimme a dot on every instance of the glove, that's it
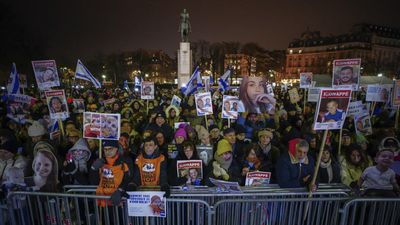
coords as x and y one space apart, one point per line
116 197
70 168
165 188
97 164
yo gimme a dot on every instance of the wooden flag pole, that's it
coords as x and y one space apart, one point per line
60 125
100 149
340 141
229 123
304 98
205 117
147 108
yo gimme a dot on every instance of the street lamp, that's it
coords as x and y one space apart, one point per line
380 74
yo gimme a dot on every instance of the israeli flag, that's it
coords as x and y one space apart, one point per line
211 79
13 83
193 84
223 81
55 127
83 73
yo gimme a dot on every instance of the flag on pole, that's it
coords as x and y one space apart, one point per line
83 73
13 82
55 129
193 84
223 82
211 79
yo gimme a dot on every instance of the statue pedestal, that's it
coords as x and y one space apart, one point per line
184 63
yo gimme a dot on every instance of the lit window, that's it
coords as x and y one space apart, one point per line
291 51
300 51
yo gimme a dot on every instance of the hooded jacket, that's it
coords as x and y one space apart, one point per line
73 173
150 170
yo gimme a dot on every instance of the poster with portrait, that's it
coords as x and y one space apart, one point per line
226 186
46 74
172 151
57 104
332 108
79 105
147 204
23 81
108 102
191 169
313 94
147 90
305 80
378 93
18 106
362 123
230 105
176 101
203 104
396 93
205 153
294 95
357 108
346 73
101 126
270 90
254 96
257 178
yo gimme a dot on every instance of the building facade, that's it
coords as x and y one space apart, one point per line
377 46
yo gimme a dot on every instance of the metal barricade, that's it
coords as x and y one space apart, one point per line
371 211
290 211
31 208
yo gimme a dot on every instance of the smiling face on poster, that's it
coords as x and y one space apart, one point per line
46 74
203 104
148 204
230 106
332 109
147 90
176 101
346 73
254 97
101 126
57 104
305 80
362 123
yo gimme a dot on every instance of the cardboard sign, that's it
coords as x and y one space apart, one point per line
203 104
101 126
23 82
305 80
46 74
57 104
362 123
172 151
230 106
356 107
148 204
346 73
205 153
258 178
79 105
313 94
332 109
226 186
147 90
176 101
18 106
191 169
294 95
378 93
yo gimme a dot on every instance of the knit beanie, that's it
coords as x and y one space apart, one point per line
223 146
181 131
36 129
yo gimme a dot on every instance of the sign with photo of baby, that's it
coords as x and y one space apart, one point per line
257 178
101 126
191 169
46 74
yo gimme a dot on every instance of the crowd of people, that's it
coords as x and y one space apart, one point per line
279 141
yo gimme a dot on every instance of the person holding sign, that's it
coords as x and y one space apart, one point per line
253 160
151 167
112 174
296 170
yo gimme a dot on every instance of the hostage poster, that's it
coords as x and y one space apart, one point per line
18 106
305 80
190 169
147 90
203 104
57 104
346 73
101 125
46 74
258 178
230 107
147 204
332 109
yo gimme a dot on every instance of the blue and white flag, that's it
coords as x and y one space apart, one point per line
13 82
223 81
193 84
55 129
211 79
83 73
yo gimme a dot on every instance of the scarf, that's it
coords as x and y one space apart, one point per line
253 164
224 164
266 149
328 168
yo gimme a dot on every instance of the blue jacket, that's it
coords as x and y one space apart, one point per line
290 172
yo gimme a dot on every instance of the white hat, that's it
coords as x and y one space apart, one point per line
36 129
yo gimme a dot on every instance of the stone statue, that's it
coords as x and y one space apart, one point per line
184 27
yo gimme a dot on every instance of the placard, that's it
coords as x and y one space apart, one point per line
294 95
101 126
147 204
332 109
362 123
176 101
191 169
227 186
57 104
305 80
396 93
46 74
147 90
79 105
23 82
205 153
230 105
257 178
203 104
356 107
346 73
378 93
313 94
18 106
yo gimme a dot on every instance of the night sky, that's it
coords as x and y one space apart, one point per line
82 28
